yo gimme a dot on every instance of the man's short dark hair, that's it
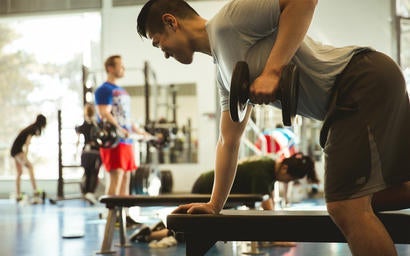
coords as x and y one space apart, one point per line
300 165
150 16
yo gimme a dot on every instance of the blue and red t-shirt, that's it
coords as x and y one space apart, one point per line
119 99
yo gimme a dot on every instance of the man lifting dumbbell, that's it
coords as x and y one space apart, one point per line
357 92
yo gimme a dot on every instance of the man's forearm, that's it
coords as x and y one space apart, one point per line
110 118
104 112
225 170
226 158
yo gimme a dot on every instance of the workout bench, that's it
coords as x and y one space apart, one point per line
202 231
116 204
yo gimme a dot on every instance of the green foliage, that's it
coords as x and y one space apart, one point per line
21 76
14 85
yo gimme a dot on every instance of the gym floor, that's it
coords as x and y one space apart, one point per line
46 229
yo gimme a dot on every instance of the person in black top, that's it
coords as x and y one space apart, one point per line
90 154
258 174
19 151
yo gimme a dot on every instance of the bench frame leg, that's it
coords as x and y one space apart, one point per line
123 228
254 249
108 233
197 245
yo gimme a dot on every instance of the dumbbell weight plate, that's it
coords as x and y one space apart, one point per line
239 92
289 93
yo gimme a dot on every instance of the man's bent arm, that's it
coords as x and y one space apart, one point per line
294 23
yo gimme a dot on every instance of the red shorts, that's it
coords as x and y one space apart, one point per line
120 157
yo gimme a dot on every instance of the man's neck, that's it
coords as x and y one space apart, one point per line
199 36
111 79
277 166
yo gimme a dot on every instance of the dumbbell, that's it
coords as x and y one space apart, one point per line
106 134
288 92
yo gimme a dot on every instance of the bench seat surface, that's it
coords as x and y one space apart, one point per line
175 200
257 225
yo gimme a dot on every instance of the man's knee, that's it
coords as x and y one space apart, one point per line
340 214
335 209
347 212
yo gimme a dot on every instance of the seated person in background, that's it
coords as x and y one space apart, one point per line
255 175
258 174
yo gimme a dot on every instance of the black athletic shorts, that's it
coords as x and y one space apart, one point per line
365 133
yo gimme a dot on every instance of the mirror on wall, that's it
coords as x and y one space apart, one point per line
167 111
170 112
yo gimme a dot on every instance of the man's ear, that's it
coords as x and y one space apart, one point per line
169 21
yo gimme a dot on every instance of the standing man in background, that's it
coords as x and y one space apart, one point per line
113 106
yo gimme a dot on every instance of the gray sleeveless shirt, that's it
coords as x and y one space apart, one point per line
246 30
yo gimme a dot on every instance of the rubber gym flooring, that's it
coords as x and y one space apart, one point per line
51 230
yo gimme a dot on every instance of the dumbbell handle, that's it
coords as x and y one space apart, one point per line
240 91
281 86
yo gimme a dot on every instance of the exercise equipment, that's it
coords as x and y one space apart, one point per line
61 196
167 181
202 231
287 93
148 178
116 205
139 180
107 135
175 143
161 132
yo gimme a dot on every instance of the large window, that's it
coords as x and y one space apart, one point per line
403 17
40 72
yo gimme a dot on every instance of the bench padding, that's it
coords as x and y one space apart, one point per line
201 231
116 205
175 200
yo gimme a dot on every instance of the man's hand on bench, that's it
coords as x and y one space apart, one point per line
195 208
